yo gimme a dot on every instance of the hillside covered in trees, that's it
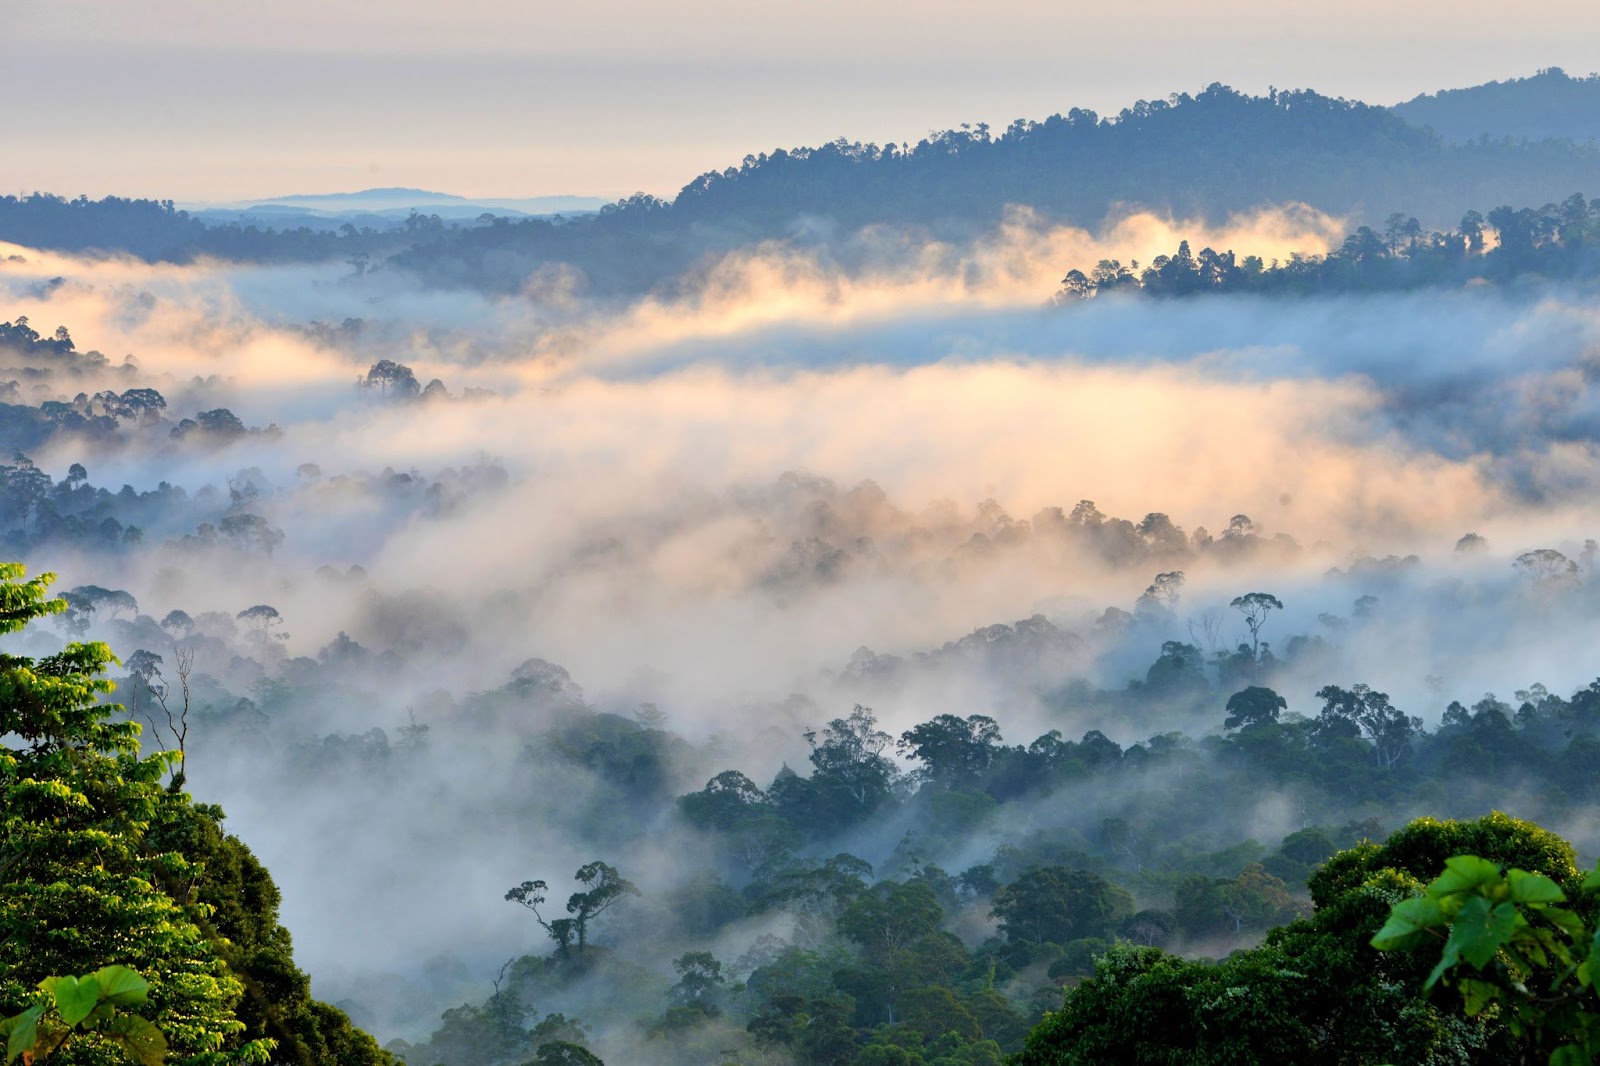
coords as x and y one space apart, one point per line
1556 242
1549 105
1203 156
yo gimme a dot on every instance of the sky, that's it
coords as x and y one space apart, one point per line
220 100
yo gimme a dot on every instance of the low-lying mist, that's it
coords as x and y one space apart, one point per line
811 480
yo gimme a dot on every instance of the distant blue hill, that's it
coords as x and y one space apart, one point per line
381 207
1548 105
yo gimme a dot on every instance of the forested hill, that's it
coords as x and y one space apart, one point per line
1549 105
1203 156
1197 156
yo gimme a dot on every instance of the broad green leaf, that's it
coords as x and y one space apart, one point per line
1533 888
1592 881
1462 874
75 997
1447 962
22 1032
122 986
1569 1055
1478 994
1481 930
1564 920
1525 955
142 1040
1407 919
1588 972
50 1037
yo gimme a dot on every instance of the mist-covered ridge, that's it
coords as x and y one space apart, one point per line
1204 156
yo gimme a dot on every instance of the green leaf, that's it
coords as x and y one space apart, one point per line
75 997
141 1039
1569 1055
1462 874
1589 972
1478 994
1447 961
1565 920
1481 930
1533 888
1407 919
122 986
22 1032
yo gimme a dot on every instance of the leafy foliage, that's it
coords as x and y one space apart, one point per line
1513 950
86 1004
102 861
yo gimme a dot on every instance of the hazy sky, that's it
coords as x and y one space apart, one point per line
233 99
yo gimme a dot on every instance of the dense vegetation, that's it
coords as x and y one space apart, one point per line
1549 105
107 862
880 962
876 969
1556 241
1201 156
1230 818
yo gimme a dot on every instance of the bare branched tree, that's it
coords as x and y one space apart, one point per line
172 723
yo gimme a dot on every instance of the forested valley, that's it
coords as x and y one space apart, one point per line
673 636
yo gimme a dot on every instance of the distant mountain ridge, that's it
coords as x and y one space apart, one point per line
382 207
366 197
1549 104
1204 157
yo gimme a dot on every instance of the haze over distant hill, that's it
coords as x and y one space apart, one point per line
380 207
1202 157
1550 104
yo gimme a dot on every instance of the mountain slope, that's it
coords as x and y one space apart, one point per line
1550 104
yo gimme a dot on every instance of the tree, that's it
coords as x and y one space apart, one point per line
173 721
23 488
392 380
815 892
564 1053
262 620
91 600
954 752
1316 992
605 888
78 884
849 757
87 1004
250 532
728 802
699 979
1513 950
1390 730
1255 606
1162 593
1178 671
1057 904
1547 568
219 425
1253 706
890 917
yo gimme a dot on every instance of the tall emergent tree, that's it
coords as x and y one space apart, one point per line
605 887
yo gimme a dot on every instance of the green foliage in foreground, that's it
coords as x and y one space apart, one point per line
103 860
1319 992
86 1004
1514 949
